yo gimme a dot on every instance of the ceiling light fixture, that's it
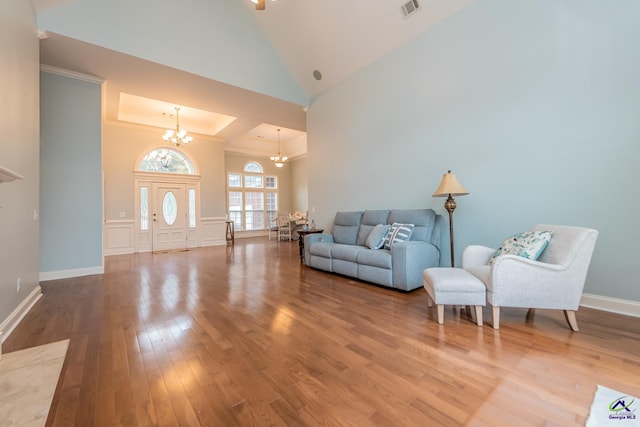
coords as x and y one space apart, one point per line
279 160
178 137
260 4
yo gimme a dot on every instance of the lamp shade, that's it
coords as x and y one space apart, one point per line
450 185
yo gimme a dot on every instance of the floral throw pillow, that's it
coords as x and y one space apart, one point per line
529 244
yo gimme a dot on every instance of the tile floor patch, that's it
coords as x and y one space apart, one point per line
28 380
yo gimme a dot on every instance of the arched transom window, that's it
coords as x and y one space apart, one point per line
166 160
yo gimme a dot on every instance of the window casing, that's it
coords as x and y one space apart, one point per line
252 197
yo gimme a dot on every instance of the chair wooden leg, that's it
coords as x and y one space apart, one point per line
571 320
495 318
479 315
440 313
531 313
429 301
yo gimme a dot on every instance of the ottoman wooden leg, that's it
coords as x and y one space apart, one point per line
479 315
496 318
441 313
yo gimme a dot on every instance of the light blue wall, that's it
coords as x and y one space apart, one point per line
218 39
70 174
535 106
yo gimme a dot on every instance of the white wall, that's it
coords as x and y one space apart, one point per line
533 104
19 127
299 184
124 144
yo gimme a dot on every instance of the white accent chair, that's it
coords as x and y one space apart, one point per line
554 281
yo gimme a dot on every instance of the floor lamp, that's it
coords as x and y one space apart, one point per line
450 186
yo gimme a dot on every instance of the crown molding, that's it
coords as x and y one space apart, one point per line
71 74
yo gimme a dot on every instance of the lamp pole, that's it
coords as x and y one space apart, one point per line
449 187
450 206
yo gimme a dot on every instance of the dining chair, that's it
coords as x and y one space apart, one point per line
284 227
272 221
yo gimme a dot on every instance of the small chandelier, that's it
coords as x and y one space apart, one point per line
178 137
279 160
260 4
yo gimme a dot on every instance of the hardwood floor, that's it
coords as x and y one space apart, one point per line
246 336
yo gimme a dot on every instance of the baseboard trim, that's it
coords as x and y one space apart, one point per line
67 274
18 314
613 305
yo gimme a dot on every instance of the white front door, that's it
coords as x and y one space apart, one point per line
169 216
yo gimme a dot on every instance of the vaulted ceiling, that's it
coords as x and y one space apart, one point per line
322 43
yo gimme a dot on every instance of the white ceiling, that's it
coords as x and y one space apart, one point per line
338 37
335 37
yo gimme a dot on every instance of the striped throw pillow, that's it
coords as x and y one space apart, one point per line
398 233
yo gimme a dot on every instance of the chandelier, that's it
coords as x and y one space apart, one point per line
178 137
279 160
260 4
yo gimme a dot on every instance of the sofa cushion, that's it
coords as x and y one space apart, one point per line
377 275
369 220
529 244
398 233
322 249
345 252
380 258
376 238
345 227
422 219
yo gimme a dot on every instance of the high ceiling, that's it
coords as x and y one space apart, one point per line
149 95
321 42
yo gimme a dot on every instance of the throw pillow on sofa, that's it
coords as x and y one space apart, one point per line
375 240
529 244
398 233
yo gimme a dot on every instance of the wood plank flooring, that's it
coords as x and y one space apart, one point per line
245 336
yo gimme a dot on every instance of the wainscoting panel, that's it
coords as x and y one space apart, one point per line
213 231
118 237
193 238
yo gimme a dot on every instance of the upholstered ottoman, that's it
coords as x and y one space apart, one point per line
454 286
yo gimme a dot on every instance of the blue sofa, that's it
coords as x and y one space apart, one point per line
344 251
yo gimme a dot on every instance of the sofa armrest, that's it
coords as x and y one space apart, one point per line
310 239
409 260
476 255
508 269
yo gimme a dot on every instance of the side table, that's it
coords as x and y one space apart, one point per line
301 234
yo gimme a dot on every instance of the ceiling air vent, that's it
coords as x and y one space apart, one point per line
410 7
